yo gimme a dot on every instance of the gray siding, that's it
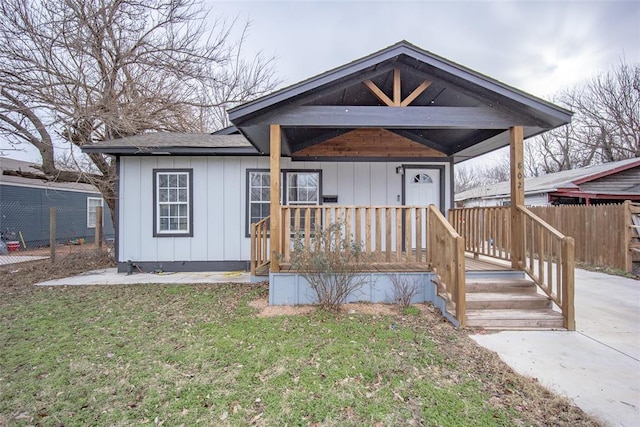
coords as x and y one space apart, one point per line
26 209
628 180
219 193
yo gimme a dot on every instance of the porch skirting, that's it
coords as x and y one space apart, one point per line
293 289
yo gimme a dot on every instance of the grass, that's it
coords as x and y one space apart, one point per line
199 355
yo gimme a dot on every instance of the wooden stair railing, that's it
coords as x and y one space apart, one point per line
548 256
259 245
446 255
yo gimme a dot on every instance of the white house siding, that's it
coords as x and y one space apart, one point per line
541 199
219 197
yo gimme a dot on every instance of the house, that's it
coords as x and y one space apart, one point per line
606 183
25 205
371 144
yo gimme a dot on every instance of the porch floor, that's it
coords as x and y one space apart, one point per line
471 264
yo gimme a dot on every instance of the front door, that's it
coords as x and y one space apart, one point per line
422 188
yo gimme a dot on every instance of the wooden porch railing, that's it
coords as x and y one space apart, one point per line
485 230
260 245
388 234
446 255
548 256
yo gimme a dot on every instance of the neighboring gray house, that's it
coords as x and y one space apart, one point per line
606 183
25 204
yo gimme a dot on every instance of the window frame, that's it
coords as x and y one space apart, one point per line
283 190
101 199
156 203
247 198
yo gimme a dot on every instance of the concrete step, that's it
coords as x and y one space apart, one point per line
505 319
503 300
511 286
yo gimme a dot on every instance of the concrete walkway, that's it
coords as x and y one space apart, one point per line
598 365
110 276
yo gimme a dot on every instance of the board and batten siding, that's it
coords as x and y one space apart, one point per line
219 202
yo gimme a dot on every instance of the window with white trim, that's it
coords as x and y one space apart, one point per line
299 188
92 204
303 188
173 202
258 195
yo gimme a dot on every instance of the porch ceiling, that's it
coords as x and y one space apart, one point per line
461 113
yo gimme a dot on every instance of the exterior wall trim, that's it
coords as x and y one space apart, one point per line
182 266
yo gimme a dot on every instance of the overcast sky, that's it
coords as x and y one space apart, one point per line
540 47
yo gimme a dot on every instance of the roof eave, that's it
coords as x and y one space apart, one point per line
185 151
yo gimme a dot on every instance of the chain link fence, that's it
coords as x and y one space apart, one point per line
26 233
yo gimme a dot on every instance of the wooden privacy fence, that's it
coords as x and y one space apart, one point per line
603 234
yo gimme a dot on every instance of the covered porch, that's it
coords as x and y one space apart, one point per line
406 106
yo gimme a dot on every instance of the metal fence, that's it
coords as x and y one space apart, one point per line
25 230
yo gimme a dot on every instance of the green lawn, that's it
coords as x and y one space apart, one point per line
189 355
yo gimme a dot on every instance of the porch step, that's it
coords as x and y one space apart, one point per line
518 286
497 285
504 300
509 304
505 319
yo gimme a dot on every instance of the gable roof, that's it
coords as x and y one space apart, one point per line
175 143
311 111
565 180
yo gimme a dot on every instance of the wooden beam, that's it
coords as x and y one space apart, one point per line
332 116
275 142
516 146
378 92
397 89
416 93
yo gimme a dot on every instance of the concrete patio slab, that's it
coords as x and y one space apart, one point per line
598 365
110 276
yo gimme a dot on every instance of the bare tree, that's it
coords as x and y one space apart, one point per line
606 124
498 171
73 72
466 177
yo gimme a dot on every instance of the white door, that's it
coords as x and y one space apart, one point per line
421 188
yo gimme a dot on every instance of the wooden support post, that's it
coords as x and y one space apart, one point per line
98 230
397 91
52 234
516 148
568 280
275 150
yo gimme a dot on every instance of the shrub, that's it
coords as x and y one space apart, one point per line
332 264
404 289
